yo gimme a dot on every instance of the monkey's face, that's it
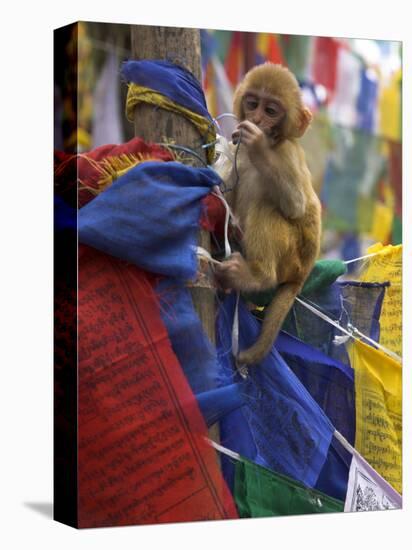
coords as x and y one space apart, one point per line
264 110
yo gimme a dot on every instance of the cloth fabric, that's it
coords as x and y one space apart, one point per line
333 478
260 492
280 426
342 108
354 302
395 175
367 101
142 453
367 490
234 63
150 217
352 173
196 354
324 273
217 403
167 85
397 231
386 267
85 176
106 118
350 248
268 48
390 109
297 51
329 382
325 63
171 80
378 387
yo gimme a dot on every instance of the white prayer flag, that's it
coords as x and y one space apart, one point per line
367 490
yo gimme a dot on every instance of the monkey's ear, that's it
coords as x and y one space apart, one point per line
305 118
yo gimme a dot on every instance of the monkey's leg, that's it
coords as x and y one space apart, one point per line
275 314
238 274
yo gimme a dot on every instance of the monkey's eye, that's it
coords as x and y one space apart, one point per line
272 110
251 103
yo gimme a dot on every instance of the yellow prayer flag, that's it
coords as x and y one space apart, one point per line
387 266
382 222
378 390
390 109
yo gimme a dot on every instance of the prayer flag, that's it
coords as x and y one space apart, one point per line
342 108
367 100
170 80
150 217
297 51
390 109
325 61
330 382
260 492
378 389
234 59
386 266
367 490
350 302
142 454
195 352
107 122
268 49
280 426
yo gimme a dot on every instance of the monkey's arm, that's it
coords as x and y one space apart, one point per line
282 169
235 273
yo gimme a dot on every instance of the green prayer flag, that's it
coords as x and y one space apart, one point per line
397 231
259 492
323 274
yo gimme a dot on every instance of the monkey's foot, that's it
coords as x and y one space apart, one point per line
249 356
243 370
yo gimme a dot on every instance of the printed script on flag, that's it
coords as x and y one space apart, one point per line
387 266
142 455
378 389
367 490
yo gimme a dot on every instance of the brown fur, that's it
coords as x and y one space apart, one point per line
275 203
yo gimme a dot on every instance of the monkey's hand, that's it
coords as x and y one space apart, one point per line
252 137
234 273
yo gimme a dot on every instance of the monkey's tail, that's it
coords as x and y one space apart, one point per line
275 314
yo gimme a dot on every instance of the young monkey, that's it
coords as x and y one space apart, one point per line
272 197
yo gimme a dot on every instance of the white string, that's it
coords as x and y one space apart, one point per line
224 450
235 328
361 257
338 436
349 332
227 115
228 214
203 253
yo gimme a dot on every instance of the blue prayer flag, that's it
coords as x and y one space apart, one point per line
169 79
280 426
150 217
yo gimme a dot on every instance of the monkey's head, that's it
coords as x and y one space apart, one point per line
270 97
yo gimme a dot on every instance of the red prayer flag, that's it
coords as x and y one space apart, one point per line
325 63
98 168
234 58
142 455
395 174
274 51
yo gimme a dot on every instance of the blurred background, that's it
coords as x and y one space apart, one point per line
352 86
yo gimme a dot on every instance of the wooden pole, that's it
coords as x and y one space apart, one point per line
181 46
